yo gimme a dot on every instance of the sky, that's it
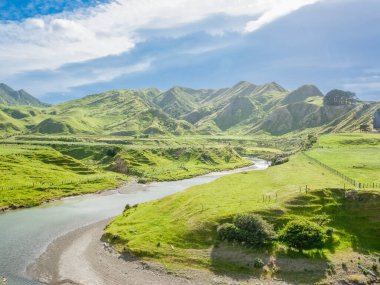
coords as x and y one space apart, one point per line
60 50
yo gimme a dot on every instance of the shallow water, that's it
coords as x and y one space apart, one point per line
26 233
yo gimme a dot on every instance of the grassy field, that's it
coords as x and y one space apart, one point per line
180 230
31 175
165 164
355 155
34 173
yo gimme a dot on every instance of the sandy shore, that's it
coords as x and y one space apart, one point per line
79 257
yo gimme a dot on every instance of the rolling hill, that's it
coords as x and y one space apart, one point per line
244 108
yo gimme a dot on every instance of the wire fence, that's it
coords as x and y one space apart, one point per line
52 185
358 184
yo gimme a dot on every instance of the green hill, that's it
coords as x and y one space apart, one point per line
124 112
302 93
184 234
244 108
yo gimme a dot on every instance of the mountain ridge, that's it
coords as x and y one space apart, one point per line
11 97
244 108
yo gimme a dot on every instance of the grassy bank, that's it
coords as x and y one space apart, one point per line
33 174
157 164
180 230
165 164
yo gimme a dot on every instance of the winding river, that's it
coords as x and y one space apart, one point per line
25 234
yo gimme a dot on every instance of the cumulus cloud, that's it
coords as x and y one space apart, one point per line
277 10
114 28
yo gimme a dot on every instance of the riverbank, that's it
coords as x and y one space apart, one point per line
40 226
81 258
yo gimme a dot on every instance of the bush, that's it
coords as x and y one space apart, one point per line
302 234
279 159
228 232
249 229
127 207
258 263
330 232
253 229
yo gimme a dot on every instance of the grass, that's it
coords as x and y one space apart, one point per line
180 230
188 220
164 164
31 175
355 155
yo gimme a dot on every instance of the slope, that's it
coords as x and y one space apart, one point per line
123 112
9 97
243 109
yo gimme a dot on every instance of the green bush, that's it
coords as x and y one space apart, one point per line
258 263
228 232
253 229
302 234
249 229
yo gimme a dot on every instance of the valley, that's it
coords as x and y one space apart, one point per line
189 142
324 151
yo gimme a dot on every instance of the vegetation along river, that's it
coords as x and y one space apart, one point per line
26 233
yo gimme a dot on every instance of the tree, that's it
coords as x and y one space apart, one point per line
338 98
302 234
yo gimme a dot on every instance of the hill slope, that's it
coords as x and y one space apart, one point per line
123 112
10 97
244 108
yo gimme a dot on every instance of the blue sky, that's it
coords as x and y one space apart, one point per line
59 50
18 10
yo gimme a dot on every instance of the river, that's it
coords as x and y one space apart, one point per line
26 233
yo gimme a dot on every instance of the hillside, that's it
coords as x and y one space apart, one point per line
185 233
301 94
242 109
68 169
11 97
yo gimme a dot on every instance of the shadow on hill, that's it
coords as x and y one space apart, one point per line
280 264
354 216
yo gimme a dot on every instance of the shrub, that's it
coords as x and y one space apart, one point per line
253 230
258 263
279 159
127 207
302 234
329 232
228 232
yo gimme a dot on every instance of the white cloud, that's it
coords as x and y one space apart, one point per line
366 84
63 81
278 9
111 29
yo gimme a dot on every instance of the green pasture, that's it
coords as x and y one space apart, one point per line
180 230
354 155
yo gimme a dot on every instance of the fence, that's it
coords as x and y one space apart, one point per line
52 185
353 182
